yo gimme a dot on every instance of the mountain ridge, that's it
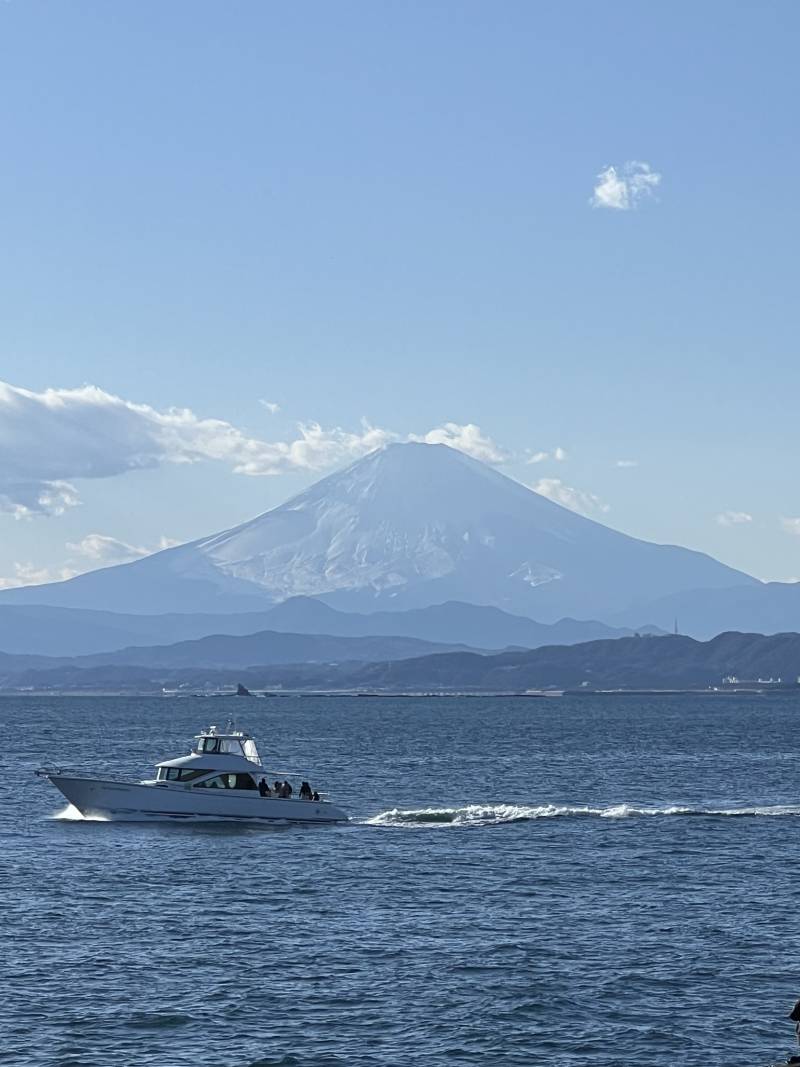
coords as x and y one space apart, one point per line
407 526
65 632
668 662
266 647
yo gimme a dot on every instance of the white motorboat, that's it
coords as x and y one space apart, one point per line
222 778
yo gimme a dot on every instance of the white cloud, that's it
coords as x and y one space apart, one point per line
51 438
316 449
24 498
625 463
791 526
733 518
624 188
29 574
575 499
467 438
273 409
558 454
93 551
103 549
60 434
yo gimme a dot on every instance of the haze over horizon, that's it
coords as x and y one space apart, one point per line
562 246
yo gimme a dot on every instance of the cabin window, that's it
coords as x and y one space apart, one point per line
213 783
208 744
245 781
228 781
183 774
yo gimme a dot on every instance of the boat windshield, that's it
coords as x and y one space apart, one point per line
230 746
250 751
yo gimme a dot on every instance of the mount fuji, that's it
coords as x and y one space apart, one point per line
405 527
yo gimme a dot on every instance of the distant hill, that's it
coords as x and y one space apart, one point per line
48 631
481 626
768 607
221 651
267 647
633 662
408 526
645 662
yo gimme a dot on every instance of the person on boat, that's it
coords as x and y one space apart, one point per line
263 788
305 791
315 796
286 790
794 1015
276 788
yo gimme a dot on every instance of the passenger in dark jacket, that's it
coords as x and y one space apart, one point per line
794 1015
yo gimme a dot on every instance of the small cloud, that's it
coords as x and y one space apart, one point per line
25 499
623 188
733 518
102 549
468 438
93 551
626 463
29 574
791 526
273 409
558 454
575 499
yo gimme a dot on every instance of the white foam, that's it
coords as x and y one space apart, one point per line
71 814
493 814
475 814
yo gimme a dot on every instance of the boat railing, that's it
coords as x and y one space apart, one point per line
73 772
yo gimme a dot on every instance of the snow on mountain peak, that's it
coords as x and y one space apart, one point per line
409 525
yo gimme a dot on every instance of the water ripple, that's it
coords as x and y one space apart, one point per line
634 905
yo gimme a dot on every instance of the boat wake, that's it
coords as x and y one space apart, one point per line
497 814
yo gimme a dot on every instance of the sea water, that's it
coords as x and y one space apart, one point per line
593 880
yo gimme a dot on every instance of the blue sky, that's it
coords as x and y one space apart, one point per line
382 212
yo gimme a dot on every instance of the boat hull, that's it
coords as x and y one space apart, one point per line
122 801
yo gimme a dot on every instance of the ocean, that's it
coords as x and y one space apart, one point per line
608 881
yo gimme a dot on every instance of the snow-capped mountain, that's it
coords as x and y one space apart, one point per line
407 526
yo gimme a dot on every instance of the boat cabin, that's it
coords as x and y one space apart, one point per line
220 760
232 754
236 743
